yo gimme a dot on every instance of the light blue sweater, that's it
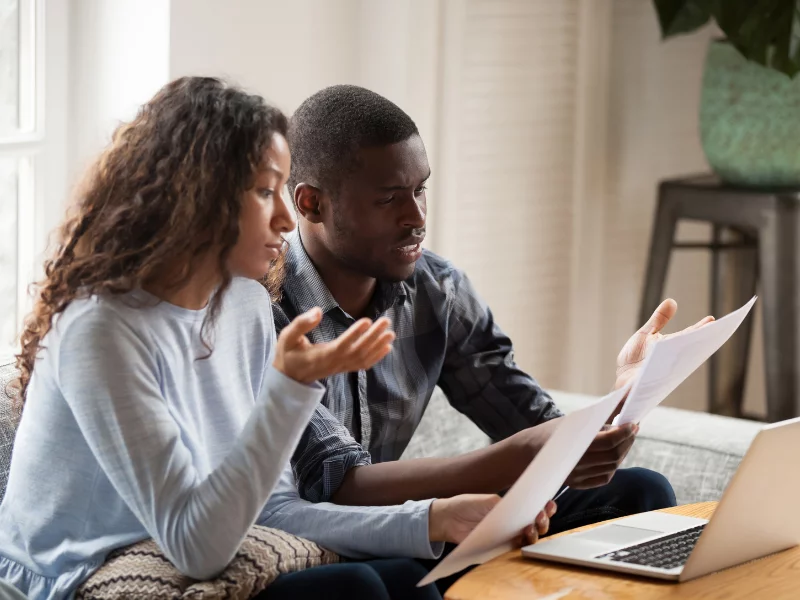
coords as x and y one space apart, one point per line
127 435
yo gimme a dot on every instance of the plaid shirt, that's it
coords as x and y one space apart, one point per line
446 336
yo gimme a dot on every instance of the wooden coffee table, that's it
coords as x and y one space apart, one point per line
511 577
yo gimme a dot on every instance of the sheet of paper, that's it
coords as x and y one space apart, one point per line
672 360
537 484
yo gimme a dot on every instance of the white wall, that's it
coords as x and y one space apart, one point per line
55 158
653 133
114 55
119 57
286 51
548 125
508 160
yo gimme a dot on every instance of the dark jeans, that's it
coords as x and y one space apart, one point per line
387 579
629 492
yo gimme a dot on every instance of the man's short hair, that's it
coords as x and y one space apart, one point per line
329 128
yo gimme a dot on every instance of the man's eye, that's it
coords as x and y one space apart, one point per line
386 200
420 190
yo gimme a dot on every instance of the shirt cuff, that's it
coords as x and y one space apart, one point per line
422 545
335 469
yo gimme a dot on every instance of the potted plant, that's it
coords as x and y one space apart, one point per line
750 106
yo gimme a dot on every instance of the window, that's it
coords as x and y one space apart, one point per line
21 141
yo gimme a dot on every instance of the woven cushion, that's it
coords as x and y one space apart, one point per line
142 570
8 424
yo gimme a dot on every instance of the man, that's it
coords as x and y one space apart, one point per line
359 172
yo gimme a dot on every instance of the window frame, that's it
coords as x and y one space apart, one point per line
27 145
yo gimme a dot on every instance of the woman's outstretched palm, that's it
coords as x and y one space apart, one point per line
360 347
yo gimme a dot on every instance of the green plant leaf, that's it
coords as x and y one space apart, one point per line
764 31
681 16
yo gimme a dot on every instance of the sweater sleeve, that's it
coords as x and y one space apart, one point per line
109 376
353 531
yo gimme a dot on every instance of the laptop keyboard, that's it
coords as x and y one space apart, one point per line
665 552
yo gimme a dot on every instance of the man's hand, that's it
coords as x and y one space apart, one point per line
598 465
452 519
638 347
360 347
604 456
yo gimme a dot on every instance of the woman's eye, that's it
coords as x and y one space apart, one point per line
266 193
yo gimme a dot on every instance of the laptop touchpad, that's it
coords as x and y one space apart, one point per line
617 534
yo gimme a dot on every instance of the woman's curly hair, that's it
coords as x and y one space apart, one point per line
168 188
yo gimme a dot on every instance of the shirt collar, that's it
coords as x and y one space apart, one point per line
303 282
304 285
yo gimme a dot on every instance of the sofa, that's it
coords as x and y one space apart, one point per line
697 452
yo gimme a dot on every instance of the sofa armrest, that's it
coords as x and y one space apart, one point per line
9 419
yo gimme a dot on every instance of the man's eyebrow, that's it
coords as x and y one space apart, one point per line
395 188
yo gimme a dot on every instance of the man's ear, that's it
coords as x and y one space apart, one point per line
308 200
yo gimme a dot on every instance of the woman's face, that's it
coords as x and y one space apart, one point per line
265 216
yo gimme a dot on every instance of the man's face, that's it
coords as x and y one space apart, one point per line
379 212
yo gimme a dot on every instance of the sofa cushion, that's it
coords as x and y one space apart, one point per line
697 452
143 571
8 424
443 431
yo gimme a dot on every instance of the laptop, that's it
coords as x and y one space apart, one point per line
757 515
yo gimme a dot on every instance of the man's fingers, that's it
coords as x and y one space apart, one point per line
612 437
301 325
592 477
662 315
586 473
605 458
703 321
614 455
698 325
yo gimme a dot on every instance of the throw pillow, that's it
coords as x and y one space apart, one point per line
142 571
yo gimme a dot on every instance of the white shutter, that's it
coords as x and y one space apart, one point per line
653 134
504 208
556 121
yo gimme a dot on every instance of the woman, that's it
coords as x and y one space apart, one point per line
157 401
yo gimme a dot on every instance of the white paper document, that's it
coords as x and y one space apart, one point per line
537 484
672 360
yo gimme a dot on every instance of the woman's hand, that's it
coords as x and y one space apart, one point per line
453 519
360 347
540 527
